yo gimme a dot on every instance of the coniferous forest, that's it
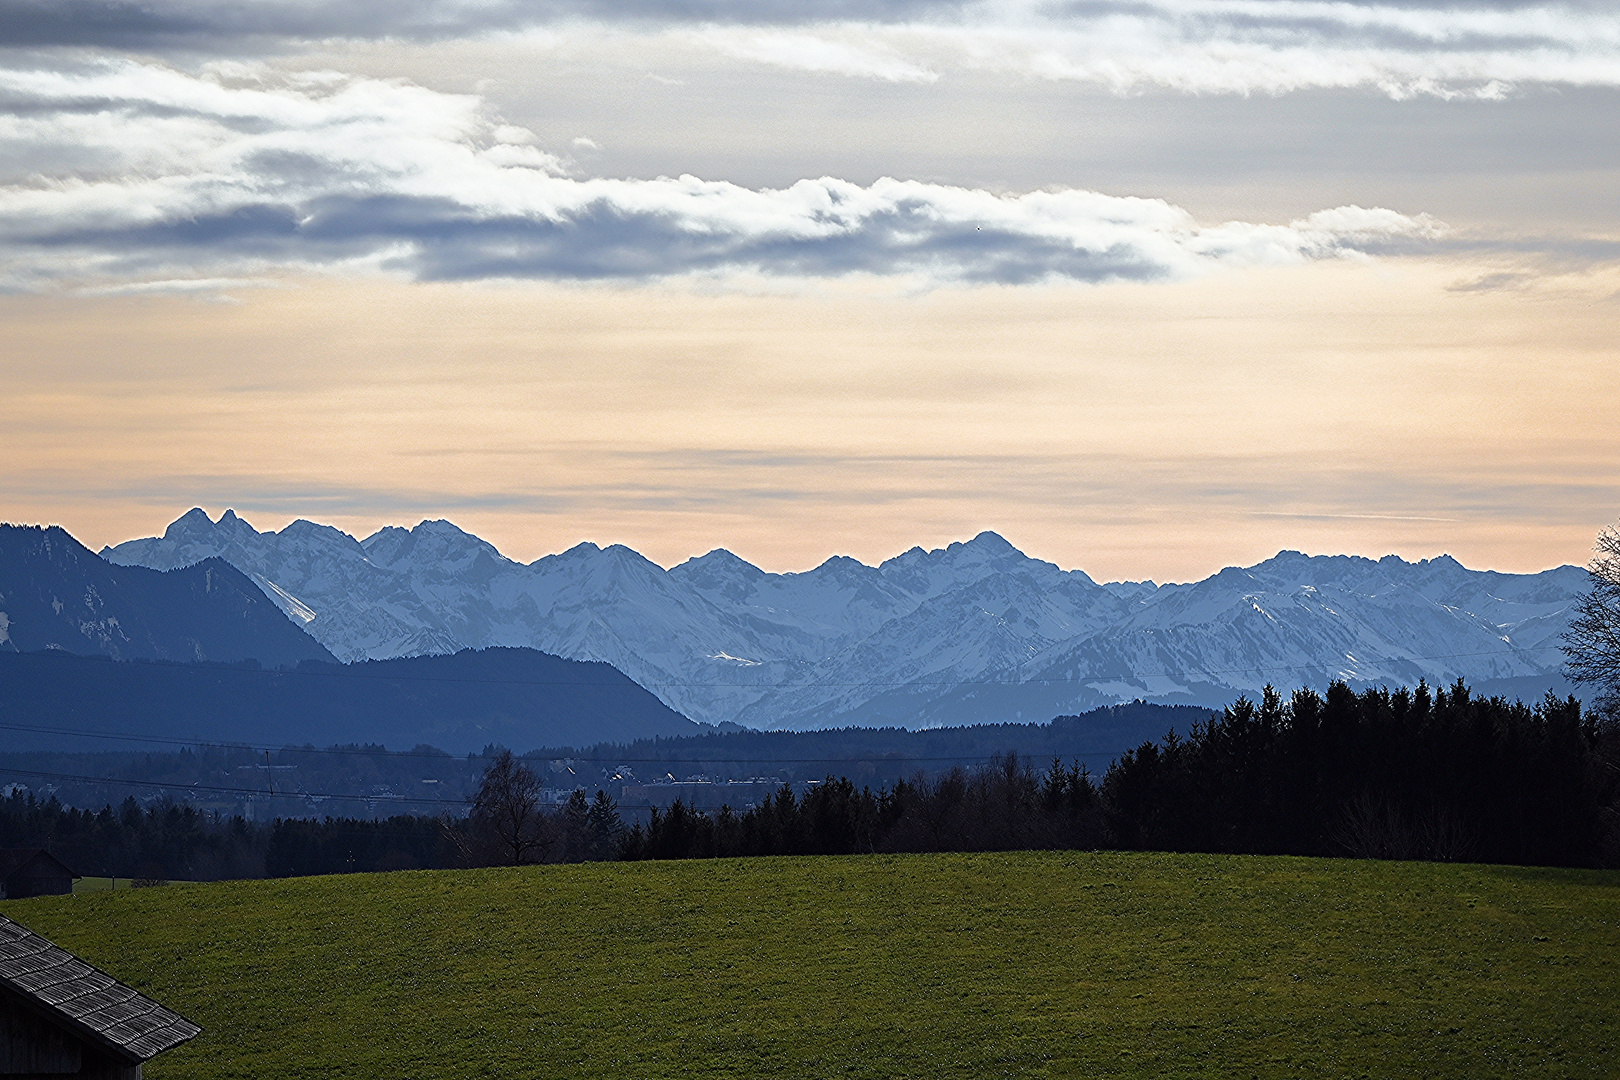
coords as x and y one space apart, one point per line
1406 774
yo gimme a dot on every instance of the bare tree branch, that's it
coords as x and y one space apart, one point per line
508 803
1592 642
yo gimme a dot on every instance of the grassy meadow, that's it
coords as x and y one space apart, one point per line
929 966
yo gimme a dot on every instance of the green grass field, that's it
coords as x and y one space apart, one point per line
1029 964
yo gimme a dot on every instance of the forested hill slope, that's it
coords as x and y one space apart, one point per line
460 703
57 594
878 756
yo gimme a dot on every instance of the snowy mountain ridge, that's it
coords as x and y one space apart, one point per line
972 632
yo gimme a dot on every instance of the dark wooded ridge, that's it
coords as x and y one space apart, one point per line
1422 774
359 780
457 702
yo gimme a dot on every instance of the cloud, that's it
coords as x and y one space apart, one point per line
1479 49
1492 282
815 52
124 171
207 23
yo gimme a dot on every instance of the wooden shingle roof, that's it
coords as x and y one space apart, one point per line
15 858
84 999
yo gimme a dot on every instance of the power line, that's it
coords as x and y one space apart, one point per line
892 756
205 744
216 789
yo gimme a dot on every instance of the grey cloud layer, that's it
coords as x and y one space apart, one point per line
135 174
120 24
1482 48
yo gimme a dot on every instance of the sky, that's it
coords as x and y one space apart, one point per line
1150 287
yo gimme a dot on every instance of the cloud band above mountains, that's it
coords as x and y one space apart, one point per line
136 173
1480 48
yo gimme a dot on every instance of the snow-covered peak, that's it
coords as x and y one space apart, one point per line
587 566
839 571
973 631
1293 568
580 551
317 574
304 531
193 523
624 554
718 561
1134 591
988 541
720 573
229 522
383 543
437 547
929 573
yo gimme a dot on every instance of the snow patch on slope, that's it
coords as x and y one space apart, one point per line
286 601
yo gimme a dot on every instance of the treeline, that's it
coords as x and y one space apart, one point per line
368 780
1404 774
164 842
1005 805
1380 774
171 841
580 831
345 780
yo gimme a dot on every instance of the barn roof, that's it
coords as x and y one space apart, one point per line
84 999
13 859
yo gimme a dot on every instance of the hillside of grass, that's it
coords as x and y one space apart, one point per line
928 966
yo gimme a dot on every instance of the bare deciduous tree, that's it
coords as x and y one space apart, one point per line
1592 642
508 804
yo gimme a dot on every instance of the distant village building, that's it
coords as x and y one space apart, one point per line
62 1017
33 872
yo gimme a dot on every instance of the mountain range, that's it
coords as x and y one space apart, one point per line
970 633
55 593
210 655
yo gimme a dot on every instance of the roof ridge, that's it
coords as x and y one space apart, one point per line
110 1014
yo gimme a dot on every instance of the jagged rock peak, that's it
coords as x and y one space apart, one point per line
442 527
841 562
193 522
435 539
987 541
625 554
986 546
718 560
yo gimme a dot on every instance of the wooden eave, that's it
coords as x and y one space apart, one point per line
85 1000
